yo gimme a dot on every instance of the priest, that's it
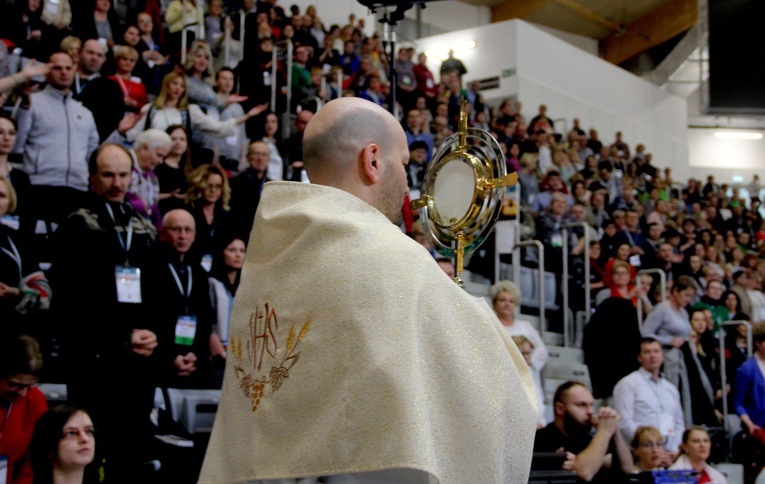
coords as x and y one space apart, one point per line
352 356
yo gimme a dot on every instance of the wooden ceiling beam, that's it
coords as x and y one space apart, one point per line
589 14
511 9
651 30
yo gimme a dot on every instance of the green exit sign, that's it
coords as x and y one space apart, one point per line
508 72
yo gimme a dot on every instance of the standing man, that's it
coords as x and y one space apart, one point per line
108 340
178 299
56 136
306 328
102 96
247 187
645 397
601 454
295 146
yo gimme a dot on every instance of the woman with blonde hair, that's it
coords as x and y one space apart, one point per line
648 449
133 90
506 298
208 199
172 106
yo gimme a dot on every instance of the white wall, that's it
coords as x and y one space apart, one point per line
336 12
725 159
573 83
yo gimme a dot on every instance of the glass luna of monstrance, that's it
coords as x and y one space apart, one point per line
462 192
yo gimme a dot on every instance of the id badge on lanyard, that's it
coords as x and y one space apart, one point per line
185 330
128 284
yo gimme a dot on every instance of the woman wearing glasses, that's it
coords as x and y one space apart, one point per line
648 449
63 447
21 404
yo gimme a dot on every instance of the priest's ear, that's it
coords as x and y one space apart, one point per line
371 160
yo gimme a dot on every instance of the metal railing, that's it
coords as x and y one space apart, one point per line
541 277
564 233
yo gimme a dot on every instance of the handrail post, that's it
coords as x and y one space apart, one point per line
564 284
242 15
540 278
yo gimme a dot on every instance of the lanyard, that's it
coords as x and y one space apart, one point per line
186 293
125 88
125 246
15 256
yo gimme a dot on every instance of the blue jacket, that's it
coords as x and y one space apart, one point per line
749 392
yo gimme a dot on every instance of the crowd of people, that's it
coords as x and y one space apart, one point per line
130 179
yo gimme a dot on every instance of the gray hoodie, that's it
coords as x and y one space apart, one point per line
56 135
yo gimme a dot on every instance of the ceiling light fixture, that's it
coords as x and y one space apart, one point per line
740 135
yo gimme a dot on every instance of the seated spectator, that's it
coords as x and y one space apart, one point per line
591 457
526 349
528 179
208 201
622 254
506 298
21 403
648 449
63 447
171 173
621 284
371 91
133 89
694 452
417 167
712 300
549 225
549 187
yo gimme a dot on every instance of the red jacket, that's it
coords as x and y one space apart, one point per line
16 433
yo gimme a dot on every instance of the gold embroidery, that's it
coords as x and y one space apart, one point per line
262 340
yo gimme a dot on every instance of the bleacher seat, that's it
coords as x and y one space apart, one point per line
564 355
194 408
556 373
55 393
734 473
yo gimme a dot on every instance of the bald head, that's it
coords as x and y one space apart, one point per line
357 146
338 133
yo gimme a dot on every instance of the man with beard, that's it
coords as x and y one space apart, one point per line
589 455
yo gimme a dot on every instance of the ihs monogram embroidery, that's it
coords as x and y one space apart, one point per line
252 350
